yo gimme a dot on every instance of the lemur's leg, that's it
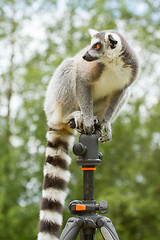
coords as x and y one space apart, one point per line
114 103
122 102
84 96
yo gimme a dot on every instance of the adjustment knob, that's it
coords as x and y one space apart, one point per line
103 207
72 123
79 149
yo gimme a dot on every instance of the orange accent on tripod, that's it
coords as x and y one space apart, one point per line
80 207
84 169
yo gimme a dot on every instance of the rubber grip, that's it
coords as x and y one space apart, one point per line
71 229
107 229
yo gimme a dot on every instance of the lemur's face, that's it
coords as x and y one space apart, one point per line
104 45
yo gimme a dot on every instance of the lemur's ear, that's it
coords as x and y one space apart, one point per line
92 32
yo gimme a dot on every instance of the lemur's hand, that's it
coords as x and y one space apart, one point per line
108 132
83 124
88 125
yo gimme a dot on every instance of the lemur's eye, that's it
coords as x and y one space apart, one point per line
97 46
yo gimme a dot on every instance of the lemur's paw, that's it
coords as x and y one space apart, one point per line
107 135
88 125
82 124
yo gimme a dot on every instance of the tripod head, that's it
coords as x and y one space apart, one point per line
87 147
87 150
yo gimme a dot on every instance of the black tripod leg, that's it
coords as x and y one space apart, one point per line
107 229
72 228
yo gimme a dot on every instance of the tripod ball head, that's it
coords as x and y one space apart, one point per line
87 150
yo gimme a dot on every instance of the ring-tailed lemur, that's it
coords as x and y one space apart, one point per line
95 82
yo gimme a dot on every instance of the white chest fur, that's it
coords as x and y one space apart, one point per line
114 78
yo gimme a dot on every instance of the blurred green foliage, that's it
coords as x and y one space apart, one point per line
129 176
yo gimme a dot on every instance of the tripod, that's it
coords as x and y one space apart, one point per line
87 220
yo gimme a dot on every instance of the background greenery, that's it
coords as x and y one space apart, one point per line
35 37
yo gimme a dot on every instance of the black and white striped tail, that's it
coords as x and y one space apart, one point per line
56 177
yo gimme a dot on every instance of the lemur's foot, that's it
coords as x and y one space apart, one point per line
107 135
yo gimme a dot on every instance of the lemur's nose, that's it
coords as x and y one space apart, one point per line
85 56
88 57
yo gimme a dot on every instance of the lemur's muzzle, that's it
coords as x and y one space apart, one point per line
88 57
